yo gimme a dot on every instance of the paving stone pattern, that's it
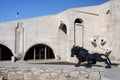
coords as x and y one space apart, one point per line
23 71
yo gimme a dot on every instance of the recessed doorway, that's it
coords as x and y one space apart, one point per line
39 52
5 53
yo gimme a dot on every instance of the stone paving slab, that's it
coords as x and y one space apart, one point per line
28 71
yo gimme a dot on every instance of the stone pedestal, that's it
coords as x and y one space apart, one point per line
12 59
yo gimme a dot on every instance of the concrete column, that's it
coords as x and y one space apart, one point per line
20 41
45 53
0 53
34 54
12 59
39 53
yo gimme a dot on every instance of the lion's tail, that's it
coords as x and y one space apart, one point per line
107 58
114 64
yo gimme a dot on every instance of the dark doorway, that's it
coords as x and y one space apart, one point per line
39 51
5 53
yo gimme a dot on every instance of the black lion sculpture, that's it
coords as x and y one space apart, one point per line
83 55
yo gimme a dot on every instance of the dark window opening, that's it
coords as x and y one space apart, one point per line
38 52
5 53
78 20
108 11
63 28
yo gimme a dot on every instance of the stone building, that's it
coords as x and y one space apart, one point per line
95 28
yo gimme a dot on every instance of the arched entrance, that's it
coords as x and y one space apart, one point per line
39 51
5 53
78 32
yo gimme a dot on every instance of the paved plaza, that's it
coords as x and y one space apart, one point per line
39 70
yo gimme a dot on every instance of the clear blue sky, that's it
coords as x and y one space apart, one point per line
35 8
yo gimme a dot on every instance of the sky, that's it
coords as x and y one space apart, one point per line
36 8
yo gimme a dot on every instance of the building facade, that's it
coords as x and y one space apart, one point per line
95 28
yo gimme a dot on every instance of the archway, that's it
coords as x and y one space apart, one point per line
78 32
39 51
5 53
78 20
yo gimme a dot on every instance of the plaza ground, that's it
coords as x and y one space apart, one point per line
56 70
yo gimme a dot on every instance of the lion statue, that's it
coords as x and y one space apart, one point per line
83 55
